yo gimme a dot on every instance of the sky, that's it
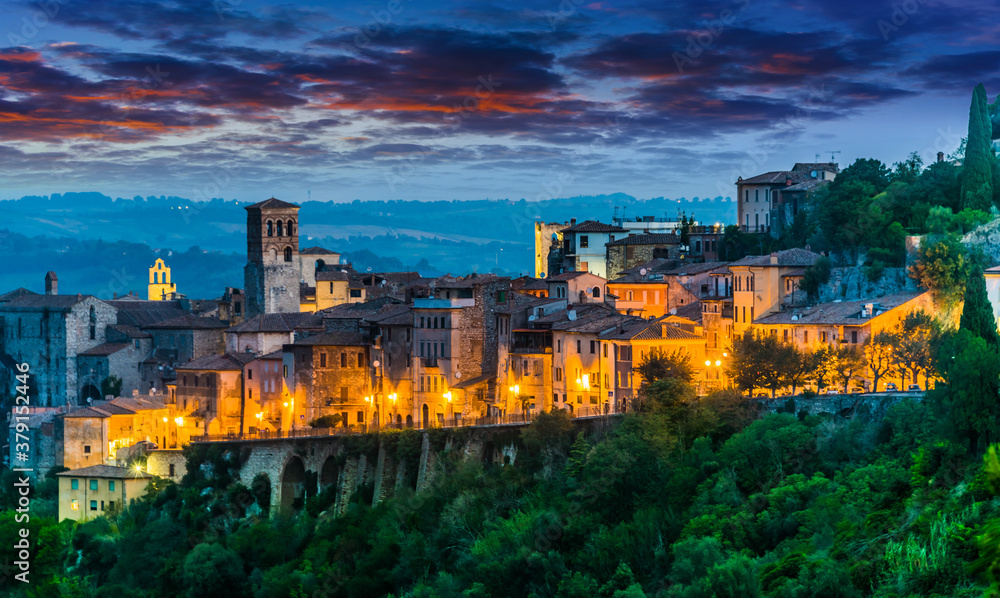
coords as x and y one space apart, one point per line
422 100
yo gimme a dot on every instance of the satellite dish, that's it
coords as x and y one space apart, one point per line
813 174
642 271
541 275
458 374
369 268
375 363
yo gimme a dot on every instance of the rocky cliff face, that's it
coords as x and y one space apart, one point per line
853 283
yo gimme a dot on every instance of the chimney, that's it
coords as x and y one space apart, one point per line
940 157
572 221
788 181
51 283
774 259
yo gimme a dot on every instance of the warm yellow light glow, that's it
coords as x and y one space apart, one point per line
725 354
708 363
393 397
718 363
286 403
164 420
368 399
179 421
138 468
447 395
75 505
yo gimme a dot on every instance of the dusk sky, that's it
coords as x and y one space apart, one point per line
470 100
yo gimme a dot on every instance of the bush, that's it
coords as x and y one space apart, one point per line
326 421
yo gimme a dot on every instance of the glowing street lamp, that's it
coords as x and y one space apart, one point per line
179 421
447 396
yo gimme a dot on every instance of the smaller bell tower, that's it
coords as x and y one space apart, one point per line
160 287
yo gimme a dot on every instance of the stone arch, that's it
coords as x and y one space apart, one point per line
270 228
281 228
288 254
409 421
329 473
293 484
290 228
320 265
425 416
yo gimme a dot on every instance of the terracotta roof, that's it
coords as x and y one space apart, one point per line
648 239
775 177
328 275
592 226
839 313
189 322
130 331
788 257
271 203
59 302
86 412
105 349
19 292
219 363
285 322
804 186
527 283
317 251
335 338
691 311
811 166
564 276
473 381
106 471
392 315
141 312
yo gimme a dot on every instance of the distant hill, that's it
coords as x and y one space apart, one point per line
451 236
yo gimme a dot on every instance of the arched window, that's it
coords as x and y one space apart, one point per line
274 254
288 254
597 291
270 228
291 228
320 265
280 226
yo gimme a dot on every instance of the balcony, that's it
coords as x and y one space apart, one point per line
754 229
532 341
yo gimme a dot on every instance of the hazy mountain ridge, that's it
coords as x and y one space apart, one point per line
433 237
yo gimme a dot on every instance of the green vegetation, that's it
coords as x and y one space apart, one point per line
691 497
977 178
326 421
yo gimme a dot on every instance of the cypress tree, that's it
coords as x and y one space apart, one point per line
977 175
977 313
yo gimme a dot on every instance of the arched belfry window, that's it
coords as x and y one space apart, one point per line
288 254
280 226
291 228
270 228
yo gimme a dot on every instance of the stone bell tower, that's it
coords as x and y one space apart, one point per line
272 271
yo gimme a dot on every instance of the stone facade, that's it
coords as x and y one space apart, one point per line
272 273
48 332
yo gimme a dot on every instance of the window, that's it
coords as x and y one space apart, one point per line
93 505
578 347
136 344
585 266
171 470
74 484
111 505
343 359
361 417
501 296
270 228
86 449
361 360
822 336
284 370
75 505
291 228
111 485
786 334
854 336
805 336
558 374
355 293
597 291
592 347
584 241
559 346
93 484
281 227
343 393
605 349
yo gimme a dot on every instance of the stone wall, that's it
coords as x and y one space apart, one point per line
158 463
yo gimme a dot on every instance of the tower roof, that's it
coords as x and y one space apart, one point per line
271 203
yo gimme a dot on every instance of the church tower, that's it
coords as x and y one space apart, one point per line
272 272
160 287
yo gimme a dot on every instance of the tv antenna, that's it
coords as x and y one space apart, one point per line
833 155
